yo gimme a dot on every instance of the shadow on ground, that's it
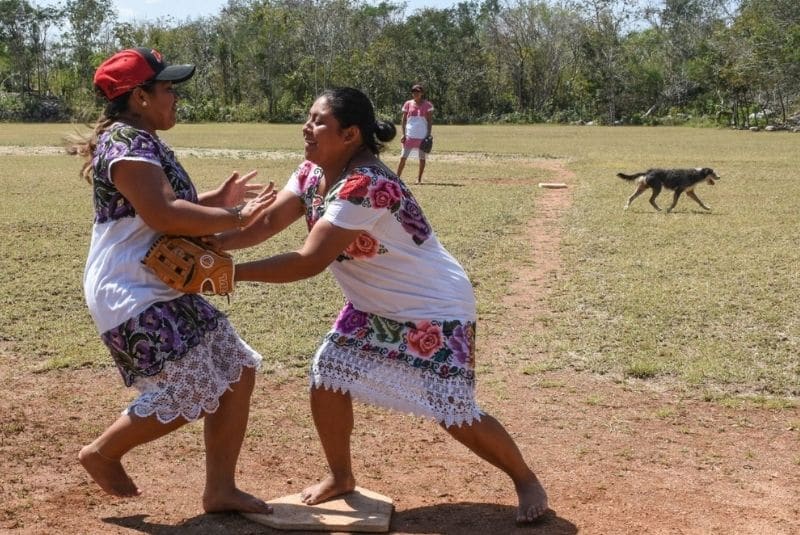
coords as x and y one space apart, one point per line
442 519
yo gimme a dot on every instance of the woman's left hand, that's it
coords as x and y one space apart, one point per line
236 189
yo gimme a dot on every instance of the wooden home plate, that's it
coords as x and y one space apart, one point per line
552 185
361 510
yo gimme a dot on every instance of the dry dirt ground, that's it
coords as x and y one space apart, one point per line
616 457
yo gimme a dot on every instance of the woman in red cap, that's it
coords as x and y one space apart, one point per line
180 352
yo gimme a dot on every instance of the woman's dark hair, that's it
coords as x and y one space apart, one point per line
352 107
84 146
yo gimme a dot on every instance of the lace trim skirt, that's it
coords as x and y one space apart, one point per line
192 385
424 368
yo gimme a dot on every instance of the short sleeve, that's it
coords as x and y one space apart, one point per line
299 181
428 106
406 106
345 214
361 200
130 143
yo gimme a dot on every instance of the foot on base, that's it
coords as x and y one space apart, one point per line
326 489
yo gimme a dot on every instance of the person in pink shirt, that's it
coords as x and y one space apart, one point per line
417 125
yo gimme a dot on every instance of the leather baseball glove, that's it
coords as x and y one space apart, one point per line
427 144
190 266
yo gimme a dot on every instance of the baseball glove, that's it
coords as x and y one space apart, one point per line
427 144
190 266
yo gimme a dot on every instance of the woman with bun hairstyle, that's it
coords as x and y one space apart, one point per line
405 339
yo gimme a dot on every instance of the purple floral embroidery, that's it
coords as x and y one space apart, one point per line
165 331
146 356
122 141
413 221
461 344
350 320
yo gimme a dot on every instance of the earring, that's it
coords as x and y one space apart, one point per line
144 103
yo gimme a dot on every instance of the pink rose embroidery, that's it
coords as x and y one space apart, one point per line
384 193
426 339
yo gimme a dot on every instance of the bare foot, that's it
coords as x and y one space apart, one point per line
108 473
326 489
236 500
532 502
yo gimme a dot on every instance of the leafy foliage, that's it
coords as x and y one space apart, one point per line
612 61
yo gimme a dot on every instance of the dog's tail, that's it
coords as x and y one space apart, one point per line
631 177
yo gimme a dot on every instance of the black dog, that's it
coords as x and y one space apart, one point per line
678 180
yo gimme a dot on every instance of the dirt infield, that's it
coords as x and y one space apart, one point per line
616 457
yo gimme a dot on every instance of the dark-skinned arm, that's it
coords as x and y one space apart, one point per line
324 243
286 209
146 187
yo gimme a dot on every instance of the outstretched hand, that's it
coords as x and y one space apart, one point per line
237 189
254 208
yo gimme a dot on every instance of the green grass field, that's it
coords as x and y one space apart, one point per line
703 302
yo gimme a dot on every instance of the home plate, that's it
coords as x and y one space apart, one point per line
552 185
359 511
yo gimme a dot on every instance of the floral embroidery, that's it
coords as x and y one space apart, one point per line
364 246
165 331
370 187
355 188
122 141
425 339
445 348
385 194
410 216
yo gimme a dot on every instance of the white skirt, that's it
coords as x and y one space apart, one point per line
192 385
394 385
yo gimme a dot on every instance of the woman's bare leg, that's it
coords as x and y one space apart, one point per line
102 458
333 418
489 440
421 170
400 167
224 433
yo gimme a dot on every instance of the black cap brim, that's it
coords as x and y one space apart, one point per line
176 73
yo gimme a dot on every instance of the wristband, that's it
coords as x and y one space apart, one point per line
239 219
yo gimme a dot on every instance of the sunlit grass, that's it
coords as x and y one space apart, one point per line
706 301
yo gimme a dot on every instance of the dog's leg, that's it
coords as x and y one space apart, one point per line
694 196
656 191
639 190
675 199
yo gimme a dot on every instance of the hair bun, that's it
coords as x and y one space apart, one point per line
385 131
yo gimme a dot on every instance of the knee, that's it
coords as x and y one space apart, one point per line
247 381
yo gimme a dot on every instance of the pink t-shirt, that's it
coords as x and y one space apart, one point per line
416 124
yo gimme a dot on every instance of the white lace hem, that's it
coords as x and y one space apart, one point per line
192 385
395 385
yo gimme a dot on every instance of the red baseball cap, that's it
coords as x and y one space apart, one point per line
129 68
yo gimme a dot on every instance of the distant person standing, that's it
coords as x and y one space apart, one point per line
417 125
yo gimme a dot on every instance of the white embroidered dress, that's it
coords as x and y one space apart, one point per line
406 336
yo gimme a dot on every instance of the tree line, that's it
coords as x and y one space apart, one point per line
729 62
